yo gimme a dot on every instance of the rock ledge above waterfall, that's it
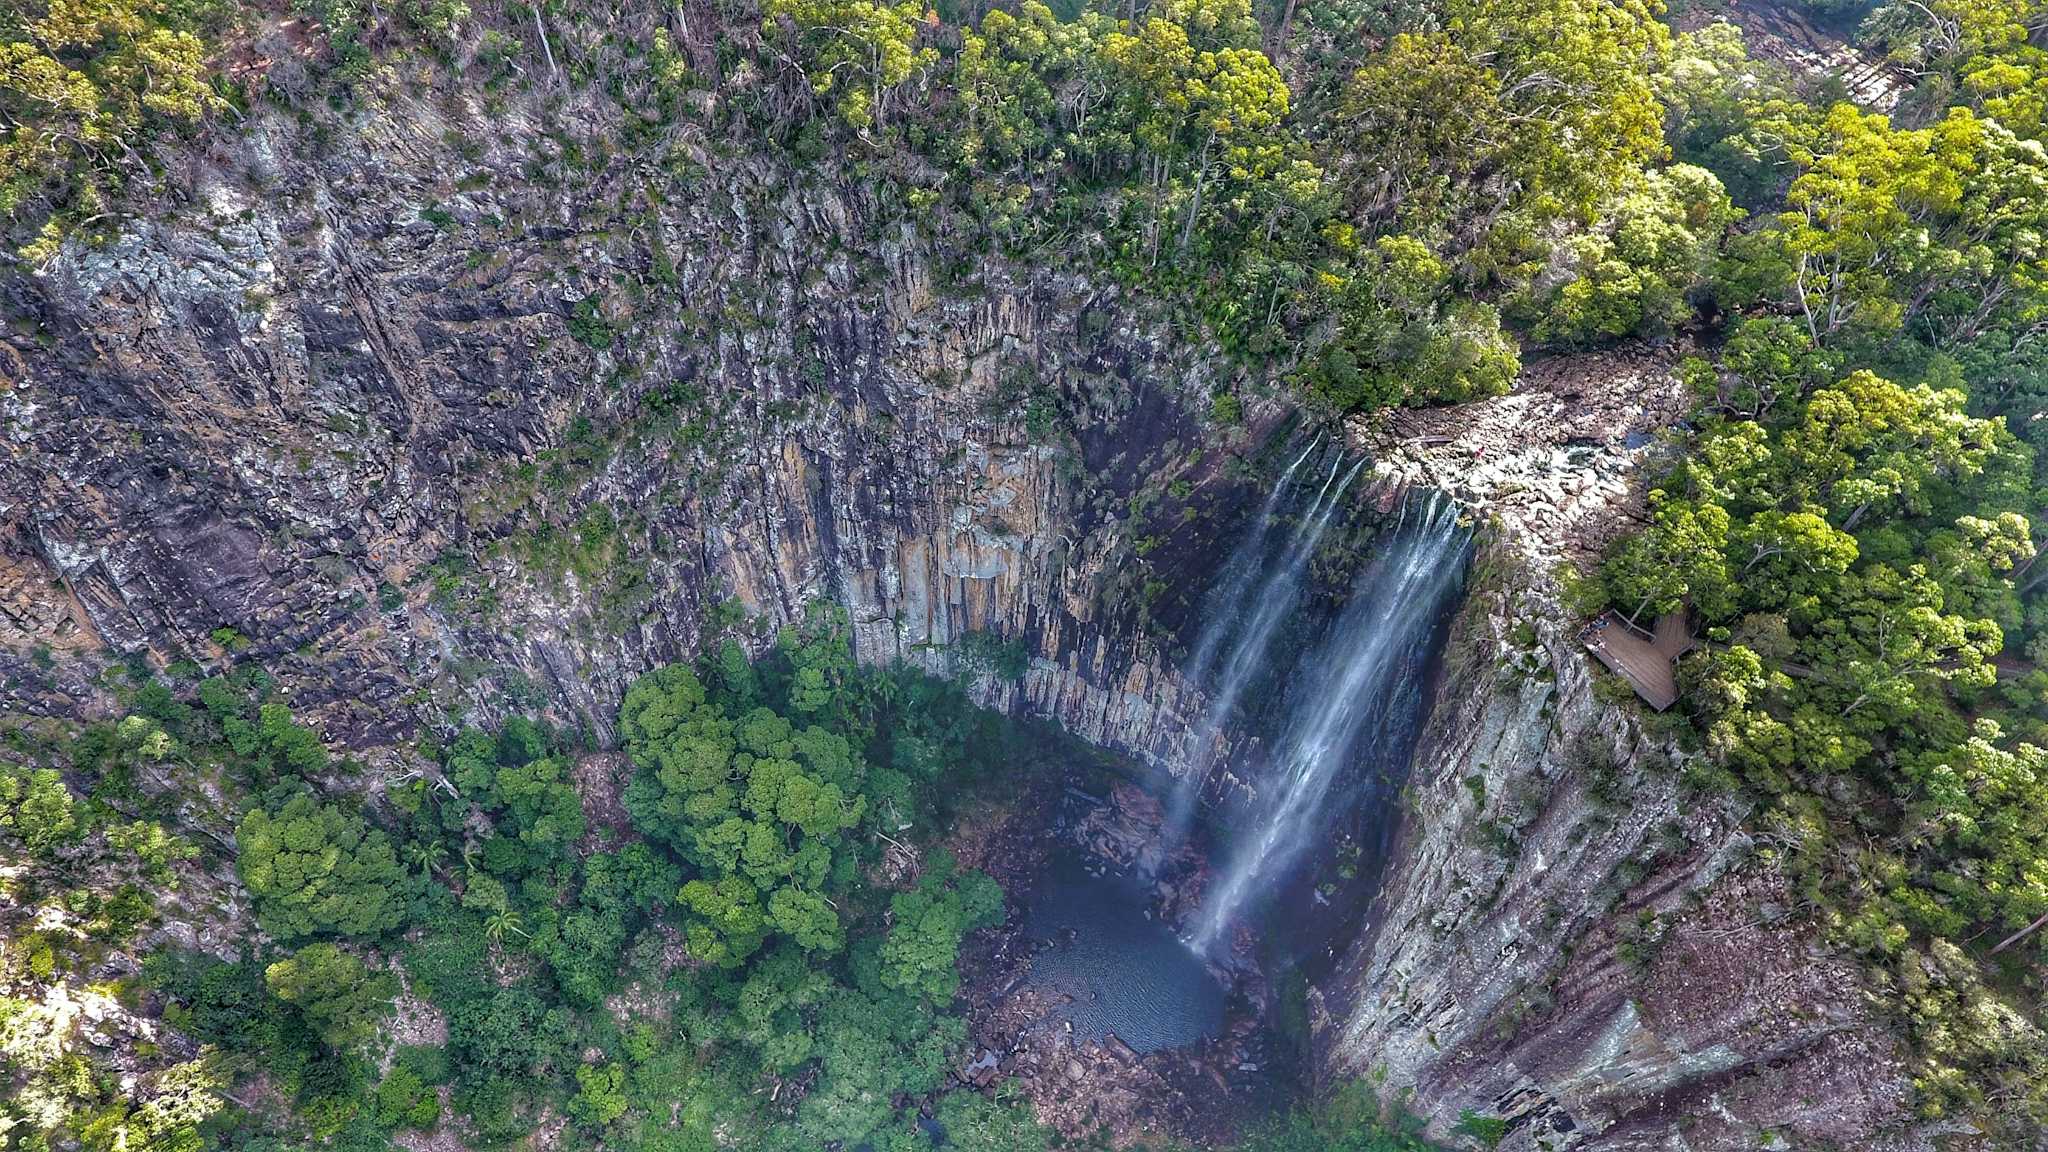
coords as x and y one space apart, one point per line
1558 462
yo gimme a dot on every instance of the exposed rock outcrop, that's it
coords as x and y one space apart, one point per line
430 436
1574 939
345 417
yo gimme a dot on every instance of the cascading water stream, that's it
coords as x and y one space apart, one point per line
1245 564
1270 607
1356 682
1249 636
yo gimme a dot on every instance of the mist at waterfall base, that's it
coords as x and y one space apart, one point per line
1337 739
1326 630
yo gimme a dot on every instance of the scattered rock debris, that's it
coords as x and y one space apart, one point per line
1078 1085
1558 461
1783 32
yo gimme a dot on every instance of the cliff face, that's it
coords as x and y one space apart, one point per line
450 413
433 418
1574 941
1576 937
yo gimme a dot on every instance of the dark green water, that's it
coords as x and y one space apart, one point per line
1127 973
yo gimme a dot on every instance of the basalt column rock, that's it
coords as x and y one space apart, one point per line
423 434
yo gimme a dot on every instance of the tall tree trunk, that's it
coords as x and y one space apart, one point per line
549 52
1286 25
2020 935
1187 231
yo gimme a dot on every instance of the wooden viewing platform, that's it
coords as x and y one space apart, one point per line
1645 660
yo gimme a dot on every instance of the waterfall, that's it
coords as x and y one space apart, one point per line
1270 606
1354 685
1245 564
1271 600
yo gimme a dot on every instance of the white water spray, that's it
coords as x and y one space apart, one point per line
1357 677
1271 605
1245 564
1250 635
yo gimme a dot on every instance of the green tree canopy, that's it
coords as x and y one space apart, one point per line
341 999
315 869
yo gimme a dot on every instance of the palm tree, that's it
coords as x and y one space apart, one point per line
502 921
426 855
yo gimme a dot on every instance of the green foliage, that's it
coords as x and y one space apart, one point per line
1536 110
264 739
514 778
978 1122
150 846
1516 145
587 323
1849 542
37 807
1924 231
855 51
754 789
220 1003
1400 339
1715 99
83 86
436 21
1454 159
1003 659
929 922
758 807
1857 517
62 1103
583 945
600 1095
1972 52
764 816
1226 410
1850 528
1634 273
403 1100
341 999
1350 1119
448 961
315 869
232 1008
1488 1130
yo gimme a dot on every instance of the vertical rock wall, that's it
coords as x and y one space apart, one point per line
353 409
1571 939
341 414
